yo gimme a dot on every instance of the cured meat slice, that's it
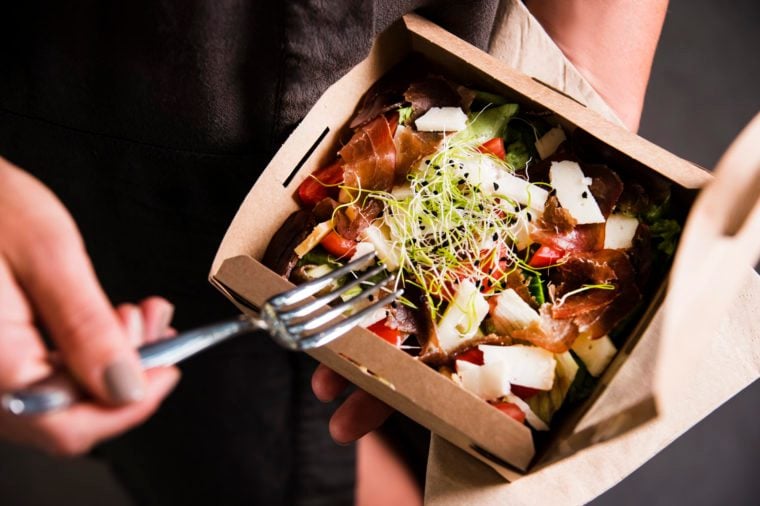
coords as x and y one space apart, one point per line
370 157
433 91
579 239
412 145
606 186
280 255
556 336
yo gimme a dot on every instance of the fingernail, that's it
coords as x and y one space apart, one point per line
124 382
135 327
167 313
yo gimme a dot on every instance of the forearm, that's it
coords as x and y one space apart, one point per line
611 42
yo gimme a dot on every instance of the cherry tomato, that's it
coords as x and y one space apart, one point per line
473 355
546 256
495 147
510 409
316 187
338 246
523 393
393 336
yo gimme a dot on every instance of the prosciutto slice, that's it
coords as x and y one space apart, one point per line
606 186
556 336
433 91
370 157
412 145
596 311
579 239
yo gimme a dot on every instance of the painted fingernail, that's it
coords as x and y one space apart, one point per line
124 382
135 327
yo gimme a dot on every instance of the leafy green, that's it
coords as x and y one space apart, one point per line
536 287
518 155
665 234
583 384
487 124
404 113
657 211
485 98
545 404
317 256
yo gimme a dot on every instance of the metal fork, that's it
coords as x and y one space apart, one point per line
294 321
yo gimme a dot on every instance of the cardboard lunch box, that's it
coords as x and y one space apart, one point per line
392 375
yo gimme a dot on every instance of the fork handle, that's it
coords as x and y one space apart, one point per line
60 390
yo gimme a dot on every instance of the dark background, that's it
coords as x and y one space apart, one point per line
705 86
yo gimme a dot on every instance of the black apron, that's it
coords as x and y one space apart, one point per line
151 120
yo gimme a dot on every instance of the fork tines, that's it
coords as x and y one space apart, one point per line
314 323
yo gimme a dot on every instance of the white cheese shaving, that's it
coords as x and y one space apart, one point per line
573 192
442 119
619 231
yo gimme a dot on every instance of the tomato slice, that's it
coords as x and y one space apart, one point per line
393 336
473 355
523 393
495 147
510 409
316 187
546 256
338 246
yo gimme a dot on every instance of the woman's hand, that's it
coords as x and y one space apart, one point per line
47 282
359 414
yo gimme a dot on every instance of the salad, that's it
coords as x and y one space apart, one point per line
523 263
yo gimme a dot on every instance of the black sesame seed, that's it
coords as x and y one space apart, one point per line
584 195
435 192
529 217
476 263
495 236
427 162
466 174
495 186
371 297
461 181
480 206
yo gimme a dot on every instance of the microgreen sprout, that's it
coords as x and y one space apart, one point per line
449 229
583 288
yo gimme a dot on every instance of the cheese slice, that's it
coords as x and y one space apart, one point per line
442 119
573 192
619 231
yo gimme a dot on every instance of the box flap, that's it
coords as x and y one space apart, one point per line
395 377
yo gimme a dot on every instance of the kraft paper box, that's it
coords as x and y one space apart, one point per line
624 399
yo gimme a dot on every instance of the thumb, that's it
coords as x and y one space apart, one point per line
50 262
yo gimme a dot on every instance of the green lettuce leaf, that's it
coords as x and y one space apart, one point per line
487 124
518 155
545 404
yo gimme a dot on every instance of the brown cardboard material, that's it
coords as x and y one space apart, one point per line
378 367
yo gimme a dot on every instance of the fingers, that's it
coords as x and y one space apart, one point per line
147 322
75 430
157 314
327 384
359 414
23 357
51 265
